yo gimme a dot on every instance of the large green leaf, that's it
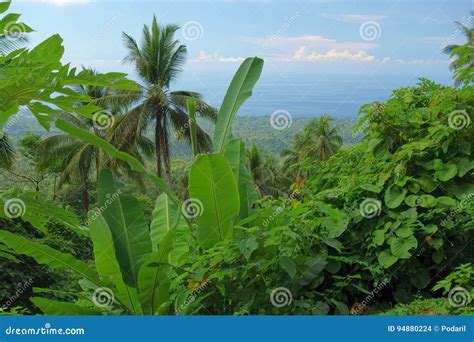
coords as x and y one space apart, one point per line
154 277
394 196
239 90
387 259
4 5
400 247
465 166
166 217
124 217
49 256
193 125
445 172
108 267
57 308
38 211
235 155
212 184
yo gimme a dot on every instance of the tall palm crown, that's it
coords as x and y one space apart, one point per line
318 141
267 172
79 161
158 61
463 63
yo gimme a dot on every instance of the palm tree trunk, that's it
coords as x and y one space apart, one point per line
98 167
54 186
85 197
157 143
166 148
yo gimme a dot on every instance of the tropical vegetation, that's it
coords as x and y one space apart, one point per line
108 224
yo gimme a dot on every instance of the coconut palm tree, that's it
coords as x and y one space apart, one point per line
463 63
158 60
318 140
267 172
79 162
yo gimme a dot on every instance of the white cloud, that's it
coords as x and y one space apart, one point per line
315 42
215 57
301 55
355 18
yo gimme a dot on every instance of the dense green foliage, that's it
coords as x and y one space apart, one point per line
381 225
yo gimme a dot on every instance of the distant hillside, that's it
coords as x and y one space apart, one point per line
252 129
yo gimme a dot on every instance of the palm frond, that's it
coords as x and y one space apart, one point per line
7 153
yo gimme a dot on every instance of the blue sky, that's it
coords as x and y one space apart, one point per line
387 42
304 35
